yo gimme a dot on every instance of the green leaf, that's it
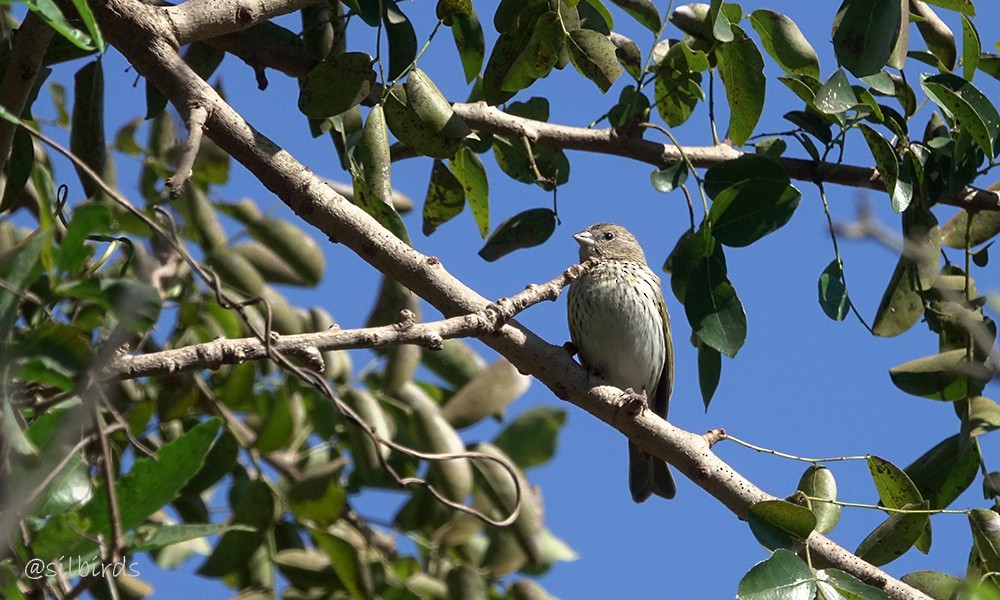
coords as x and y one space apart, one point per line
712 307
19 167
445 197
469 40
781 576
938 37
55 352
989 64
804 86
670 177
984 415
971 48
970 107
512 157
985 226
147 487
818 484
402 40
786 44
780 524
86 139
632 108
900 191
629 55
524 230
281 419
368 10
535 108
157 537
945 376
530 440
49 11
87 16
811 123
336 84
487 394
431 106
933 583
87 220
506 50
833 291
985 526
253 505
235 271
757 200
836 96
835 583
901 304
318 498
742 70
722 30
643 11
592 15
285 239
894 536
690 248
894 487
965 7
471 174
593 55
747 211
539 55
345 560
865 34
410 129
136 303
219 462
677 93
709 372
945 471
446 10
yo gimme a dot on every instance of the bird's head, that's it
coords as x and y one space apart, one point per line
608 241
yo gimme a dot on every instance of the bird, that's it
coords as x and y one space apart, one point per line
620 328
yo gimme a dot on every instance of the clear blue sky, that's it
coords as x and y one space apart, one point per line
802 384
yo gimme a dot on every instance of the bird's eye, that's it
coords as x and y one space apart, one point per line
609 236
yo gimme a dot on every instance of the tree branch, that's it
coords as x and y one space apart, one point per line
203 19
266 51
482 117
196 125
144 38
214 354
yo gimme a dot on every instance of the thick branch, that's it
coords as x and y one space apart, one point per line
203 19
144 40
275 52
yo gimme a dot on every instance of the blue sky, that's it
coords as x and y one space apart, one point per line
802 384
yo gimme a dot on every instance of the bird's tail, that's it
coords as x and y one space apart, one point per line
648 475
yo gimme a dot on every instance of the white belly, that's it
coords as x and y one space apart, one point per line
624 333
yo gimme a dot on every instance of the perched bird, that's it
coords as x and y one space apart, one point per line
619 324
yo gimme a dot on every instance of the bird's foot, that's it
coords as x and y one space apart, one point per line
570 348
633 402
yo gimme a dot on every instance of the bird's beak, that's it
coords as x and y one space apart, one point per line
584 238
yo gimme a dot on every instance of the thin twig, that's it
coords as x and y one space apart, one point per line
196 125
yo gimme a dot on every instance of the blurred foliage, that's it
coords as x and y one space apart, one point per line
289 461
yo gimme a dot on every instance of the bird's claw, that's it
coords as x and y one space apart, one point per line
633 402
